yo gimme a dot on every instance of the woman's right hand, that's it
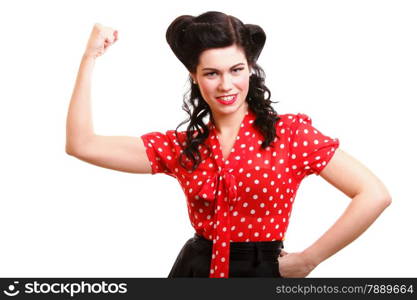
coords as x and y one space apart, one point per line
101 38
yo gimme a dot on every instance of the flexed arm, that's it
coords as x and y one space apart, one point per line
120 153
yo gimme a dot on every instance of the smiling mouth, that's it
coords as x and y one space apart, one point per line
227 97
227 100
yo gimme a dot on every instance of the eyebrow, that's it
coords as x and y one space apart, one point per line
207 69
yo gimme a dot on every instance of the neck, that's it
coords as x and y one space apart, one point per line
230 122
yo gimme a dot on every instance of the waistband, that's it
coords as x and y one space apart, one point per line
263 250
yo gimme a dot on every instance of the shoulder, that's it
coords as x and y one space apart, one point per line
169 137
176 137
292 120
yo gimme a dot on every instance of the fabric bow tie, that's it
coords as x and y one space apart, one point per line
213 186
222 190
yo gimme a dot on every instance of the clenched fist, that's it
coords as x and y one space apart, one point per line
101 38
295 265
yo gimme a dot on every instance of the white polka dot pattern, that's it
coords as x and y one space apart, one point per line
311 150
247 196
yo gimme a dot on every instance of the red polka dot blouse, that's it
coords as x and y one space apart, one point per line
248 196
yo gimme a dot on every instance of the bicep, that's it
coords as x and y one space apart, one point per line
351 177
122 153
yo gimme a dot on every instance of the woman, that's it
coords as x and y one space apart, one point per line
241 169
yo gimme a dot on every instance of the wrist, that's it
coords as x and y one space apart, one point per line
88 57
312 260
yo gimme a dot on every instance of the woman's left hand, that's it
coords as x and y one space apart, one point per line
294 265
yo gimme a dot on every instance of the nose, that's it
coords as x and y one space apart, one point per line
226 83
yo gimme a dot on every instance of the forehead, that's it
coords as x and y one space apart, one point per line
221 58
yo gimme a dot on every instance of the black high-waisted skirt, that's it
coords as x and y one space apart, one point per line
247 259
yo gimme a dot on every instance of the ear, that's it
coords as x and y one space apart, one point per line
193 77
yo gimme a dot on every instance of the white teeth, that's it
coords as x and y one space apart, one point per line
228 98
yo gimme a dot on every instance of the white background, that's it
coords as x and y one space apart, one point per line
349 65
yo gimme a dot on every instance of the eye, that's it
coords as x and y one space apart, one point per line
238 69
208 74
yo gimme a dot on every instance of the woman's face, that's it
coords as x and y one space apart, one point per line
223 79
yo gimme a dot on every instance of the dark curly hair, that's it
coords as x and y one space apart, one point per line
188 37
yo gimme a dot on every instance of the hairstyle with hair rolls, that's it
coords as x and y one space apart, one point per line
188 37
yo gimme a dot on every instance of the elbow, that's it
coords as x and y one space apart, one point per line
385 197
379 193
75 147
379 197
384 200
387 200
70 150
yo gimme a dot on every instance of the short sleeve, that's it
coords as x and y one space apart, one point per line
162 150
311 150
